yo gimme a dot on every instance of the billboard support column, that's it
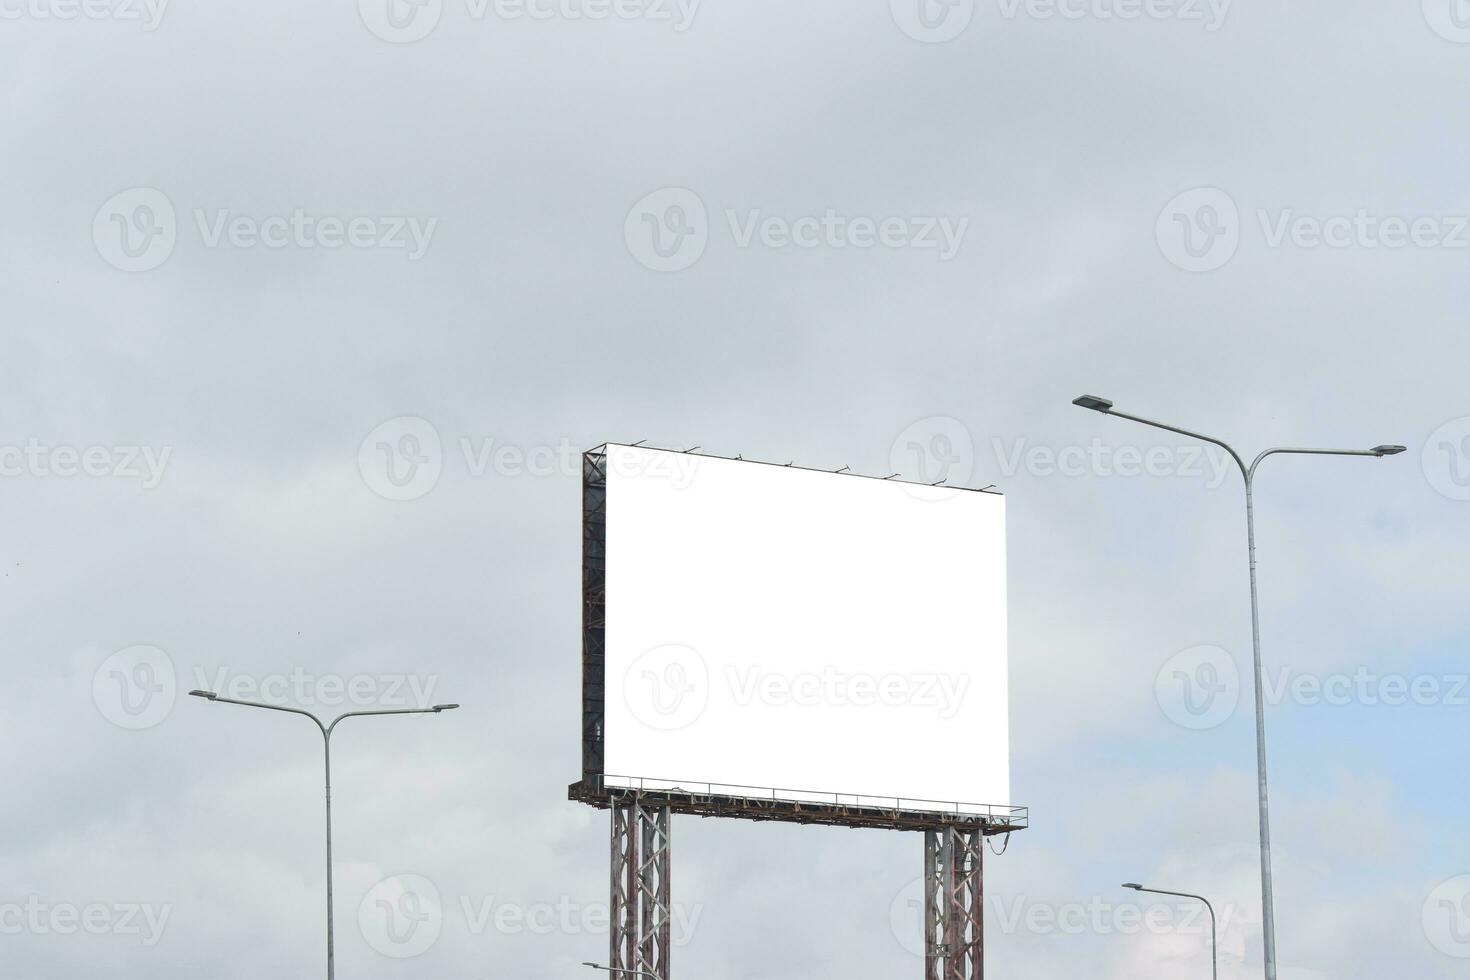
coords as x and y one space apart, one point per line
640 927
954 904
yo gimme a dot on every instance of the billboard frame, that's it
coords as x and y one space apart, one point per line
599 789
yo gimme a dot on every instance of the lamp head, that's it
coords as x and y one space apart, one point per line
1133 885
1094 403
445 707
1381 451
204 694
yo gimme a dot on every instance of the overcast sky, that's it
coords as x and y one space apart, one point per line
247 246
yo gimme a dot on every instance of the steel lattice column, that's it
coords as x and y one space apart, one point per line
641 924
954 904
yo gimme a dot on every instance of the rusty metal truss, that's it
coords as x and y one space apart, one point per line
594 791
641 916
954 904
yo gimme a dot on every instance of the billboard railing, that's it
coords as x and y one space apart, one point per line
1017 816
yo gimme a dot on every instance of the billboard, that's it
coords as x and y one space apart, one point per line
771 632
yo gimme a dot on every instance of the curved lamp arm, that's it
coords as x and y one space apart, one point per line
390 711
327 728
1379 451
1106 407
211 696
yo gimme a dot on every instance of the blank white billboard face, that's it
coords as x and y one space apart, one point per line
778 631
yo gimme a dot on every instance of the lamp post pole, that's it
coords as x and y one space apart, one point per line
1103 405
1214 937
326 731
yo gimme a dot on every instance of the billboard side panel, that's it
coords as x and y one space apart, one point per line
594 662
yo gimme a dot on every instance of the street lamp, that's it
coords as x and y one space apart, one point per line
1103 405
327 747
1214 939
613 969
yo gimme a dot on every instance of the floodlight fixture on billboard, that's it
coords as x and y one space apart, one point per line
784 643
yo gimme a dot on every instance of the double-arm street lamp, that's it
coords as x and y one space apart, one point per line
1214 937
326 730
1268 927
